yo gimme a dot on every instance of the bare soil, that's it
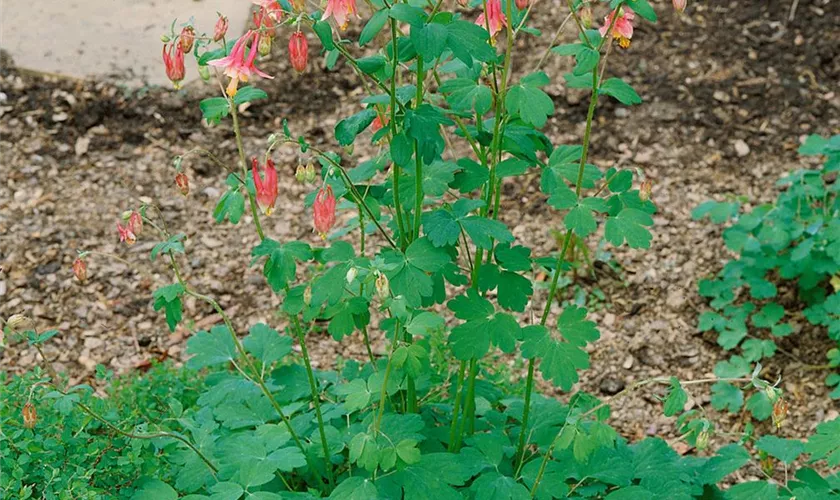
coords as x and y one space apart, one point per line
729 89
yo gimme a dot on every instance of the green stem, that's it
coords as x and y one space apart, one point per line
467 424
395 169
456 406
418 160
316 400
383 393
243 163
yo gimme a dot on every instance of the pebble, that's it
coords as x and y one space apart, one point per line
741 148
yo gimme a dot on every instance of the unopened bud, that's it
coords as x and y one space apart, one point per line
165 38
221 28
521 4
18 321
272 140
772 393
30 416
300 174
264 46
204 73
183 183
383 287
585 14
702 440
187 39
780 411
307 295
135 222
645 190
351 275
310 174
80 269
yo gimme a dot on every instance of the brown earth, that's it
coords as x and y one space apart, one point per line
730 89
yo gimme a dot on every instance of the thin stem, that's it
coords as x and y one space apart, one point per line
244 165
395 169
554 40
453 426
316 400
418 175
383 393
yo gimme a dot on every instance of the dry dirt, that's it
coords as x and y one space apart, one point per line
730 89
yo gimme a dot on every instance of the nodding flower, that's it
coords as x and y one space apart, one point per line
522 4
680 5
492 18
622 29
80 269
183 183
135 222
239 65
126 235
324 209
174 63
265 184
340 10
298 51
270 7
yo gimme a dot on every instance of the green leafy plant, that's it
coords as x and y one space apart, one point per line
435 272
794 244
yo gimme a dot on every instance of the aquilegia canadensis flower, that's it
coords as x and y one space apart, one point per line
340 10
80 269
298 51
265 183
622 30
221 28
324 209
173 60
135 222
126 235
238 65
680 5
492 18
183 183
187 39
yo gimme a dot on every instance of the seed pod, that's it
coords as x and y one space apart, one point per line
135 222
30 416
702 440
772 393
220 29
310 174
300 174
264 46
187 39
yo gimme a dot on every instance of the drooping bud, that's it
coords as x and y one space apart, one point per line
173 61
324 211
772 393
585 14
30 416
265 184
187 39
780 411
183 183
383 287
311 175
307 295
680 5
165 38
378 123
135 222
18 321
645 190
221 28
300 174
204 73
298 51
522 4
80 269
351 275
126 235
264 47
702 440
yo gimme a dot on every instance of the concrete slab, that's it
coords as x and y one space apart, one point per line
117 39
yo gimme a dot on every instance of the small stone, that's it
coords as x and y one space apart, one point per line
82 145
741 148
721 96
611 386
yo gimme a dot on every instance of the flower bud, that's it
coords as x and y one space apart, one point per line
183 183
300 174
780 411
585 14
135 222
298 51
351 275
265 184
645 190
383 287
30 416
80 269
264 46
702 440
18 321
311 175
187 39
165 38
173 62
272 140
679 5
204 73
522 4
220 29
307 295
772 393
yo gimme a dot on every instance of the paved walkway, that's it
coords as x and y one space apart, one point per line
118 39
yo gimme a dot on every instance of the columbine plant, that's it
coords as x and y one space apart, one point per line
436 272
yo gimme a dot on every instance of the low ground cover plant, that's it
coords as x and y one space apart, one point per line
432 268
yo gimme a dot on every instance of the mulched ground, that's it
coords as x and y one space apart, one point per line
730 89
